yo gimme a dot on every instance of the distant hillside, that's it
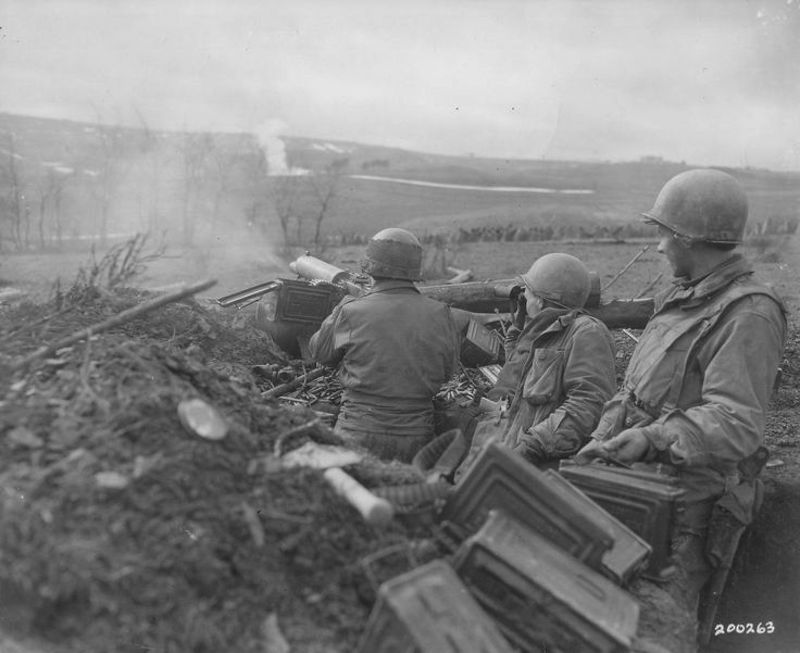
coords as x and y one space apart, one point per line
64 180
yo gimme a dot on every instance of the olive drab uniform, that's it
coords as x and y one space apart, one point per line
698 384
396 349
561 367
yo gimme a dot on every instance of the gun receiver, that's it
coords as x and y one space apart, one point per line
317 272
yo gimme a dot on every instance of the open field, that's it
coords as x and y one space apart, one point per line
231 193
237 265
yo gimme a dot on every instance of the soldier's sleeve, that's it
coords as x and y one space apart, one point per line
739 361
589 380
455 336
329 343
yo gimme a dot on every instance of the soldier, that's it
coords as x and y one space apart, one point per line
696 390
396 348
559 368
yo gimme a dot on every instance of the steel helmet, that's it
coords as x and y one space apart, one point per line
560 278
394 254
704 205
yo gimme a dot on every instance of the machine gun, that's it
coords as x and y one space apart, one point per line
315 272
299 306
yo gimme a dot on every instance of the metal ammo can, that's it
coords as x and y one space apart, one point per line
647 502
629 554
302 303
542 598
480 346
429 610
501 479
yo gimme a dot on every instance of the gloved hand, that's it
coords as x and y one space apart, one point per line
519 308
628 446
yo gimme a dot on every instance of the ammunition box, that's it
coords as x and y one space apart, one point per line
629 554
490 372
429 610
501 479
301 303
480 346
542 598
645 502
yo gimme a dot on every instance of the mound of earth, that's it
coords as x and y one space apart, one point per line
120 530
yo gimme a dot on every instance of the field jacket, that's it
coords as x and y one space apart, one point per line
700 378
567 376
563 374
395 348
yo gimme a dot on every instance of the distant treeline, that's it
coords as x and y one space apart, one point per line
515 233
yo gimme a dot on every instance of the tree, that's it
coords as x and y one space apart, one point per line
194 149
13 200
112 169
287 193
222 170
153 163
51 186
307 198
253 164
325 186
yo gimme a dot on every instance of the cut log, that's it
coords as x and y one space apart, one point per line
493 296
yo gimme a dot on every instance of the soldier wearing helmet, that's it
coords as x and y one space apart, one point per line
395 349
559 368
697 387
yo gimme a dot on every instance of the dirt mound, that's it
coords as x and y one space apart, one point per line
122 531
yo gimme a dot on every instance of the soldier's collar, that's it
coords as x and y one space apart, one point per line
691 292
392 284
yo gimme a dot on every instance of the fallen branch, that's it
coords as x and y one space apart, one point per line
625 269
460 275
35 323
110 323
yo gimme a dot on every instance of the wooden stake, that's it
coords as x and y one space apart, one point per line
650 286
625 269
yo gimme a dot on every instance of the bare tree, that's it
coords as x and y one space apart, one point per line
49 221
325 186
149 195
194 149
57 197
112 169
13 199
307 198
256 188
222 169
287 193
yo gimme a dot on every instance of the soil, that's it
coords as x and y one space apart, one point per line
120 530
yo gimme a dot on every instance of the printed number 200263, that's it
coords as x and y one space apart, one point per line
760 628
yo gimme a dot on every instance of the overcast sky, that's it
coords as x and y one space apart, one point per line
708 82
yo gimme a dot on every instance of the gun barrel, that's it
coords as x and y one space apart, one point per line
248 295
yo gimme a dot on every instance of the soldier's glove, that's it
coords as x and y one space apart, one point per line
591 451
519 307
